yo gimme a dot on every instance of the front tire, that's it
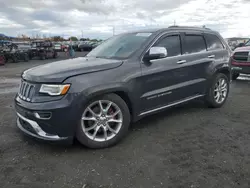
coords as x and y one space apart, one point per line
104 122
218 92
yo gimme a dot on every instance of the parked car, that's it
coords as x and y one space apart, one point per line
240 60
15 53
65 46
58 47
2 58
129 76
43 50
86 46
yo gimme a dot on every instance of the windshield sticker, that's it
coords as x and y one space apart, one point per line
143 34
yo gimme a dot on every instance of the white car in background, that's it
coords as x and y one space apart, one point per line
58 47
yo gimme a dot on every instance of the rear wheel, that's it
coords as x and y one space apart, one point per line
104 122
43 57
218 92
26 57
55 54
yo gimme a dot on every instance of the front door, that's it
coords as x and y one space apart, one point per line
162 79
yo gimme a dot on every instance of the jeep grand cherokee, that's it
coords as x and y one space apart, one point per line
129 76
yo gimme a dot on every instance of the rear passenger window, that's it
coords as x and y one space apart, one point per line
213 42
194 44
171 43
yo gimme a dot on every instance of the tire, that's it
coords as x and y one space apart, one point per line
43 57
235 76
121 127
211 93
55 55
26 57
15 59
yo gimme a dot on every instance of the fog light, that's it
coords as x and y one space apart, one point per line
43 115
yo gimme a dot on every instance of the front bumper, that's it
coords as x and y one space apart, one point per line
241 68
34 130
59 126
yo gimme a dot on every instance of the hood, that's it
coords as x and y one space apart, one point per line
242 49
58 71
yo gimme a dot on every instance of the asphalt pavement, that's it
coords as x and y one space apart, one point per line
186 146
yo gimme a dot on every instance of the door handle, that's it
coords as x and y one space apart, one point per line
181 61
211 56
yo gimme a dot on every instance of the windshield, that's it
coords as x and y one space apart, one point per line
120 46
248 43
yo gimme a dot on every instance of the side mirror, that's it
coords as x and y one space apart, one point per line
156 53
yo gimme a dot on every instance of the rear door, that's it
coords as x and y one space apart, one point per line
196 63
216 49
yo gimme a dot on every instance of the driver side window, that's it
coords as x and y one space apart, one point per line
171 43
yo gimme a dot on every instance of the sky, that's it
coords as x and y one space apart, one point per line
101 18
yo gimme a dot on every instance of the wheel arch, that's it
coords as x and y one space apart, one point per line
224 70
115 89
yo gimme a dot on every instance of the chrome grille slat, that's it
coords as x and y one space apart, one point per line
26 91
24 88
241 56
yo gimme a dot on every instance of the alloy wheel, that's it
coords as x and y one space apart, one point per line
102 120
220 90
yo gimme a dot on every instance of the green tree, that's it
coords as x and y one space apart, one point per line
73 38
57 38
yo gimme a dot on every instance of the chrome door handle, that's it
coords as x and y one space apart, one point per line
181 61
211 56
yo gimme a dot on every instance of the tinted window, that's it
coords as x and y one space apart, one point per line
213 42
171 43
194 44
248 43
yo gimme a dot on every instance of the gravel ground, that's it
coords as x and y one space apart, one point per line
187 146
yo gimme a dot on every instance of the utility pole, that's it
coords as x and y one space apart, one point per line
174 22
113 30
82 33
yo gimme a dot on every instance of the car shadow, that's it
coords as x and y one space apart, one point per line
196 105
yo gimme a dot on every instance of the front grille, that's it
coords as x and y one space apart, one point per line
26 91
241 56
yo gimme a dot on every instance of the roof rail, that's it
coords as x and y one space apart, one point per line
204 27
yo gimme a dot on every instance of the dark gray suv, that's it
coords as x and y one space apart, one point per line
129 76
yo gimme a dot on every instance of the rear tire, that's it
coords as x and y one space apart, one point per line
26 57
55 55
43 57
217 93
116 125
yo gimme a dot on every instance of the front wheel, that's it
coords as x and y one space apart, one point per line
104 122
218 92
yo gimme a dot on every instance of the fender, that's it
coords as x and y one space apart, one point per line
216 68
103 89
89 93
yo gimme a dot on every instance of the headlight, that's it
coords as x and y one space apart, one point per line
54 90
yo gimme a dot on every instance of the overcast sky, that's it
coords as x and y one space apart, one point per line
96 18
